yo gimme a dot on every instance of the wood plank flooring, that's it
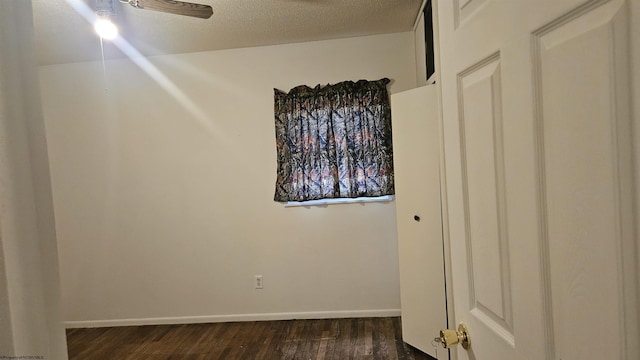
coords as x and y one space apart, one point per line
329 339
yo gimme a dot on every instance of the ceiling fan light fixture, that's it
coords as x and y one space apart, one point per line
103 24
105 28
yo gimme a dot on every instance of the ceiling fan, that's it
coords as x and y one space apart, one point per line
105 12
173 7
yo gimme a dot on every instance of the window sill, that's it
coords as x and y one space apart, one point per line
324 202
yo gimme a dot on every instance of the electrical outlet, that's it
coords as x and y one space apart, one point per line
259 282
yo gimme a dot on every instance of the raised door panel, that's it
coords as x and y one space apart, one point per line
464 9
485 196
584 125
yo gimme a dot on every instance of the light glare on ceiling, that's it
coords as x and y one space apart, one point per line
105 28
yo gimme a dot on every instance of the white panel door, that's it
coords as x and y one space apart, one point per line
536 126
416 152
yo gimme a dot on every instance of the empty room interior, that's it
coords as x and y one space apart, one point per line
140 173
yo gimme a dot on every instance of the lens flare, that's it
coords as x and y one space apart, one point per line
106 29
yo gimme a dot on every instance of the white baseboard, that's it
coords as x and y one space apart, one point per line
233 318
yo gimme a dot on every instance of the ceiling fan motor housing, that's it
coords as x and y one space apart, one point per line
104 8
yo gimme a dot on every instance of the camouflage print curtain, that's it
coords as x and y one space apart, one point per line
334 141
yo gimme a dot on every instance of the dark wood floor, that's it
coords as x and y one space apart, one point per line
338 339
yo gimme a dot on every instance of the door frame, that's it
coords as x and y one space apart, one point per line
446 241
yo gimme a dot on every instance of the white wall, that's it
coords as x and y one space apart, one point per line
30 321
165 210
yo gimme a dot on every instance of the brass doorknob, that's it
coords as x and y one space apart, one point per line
449 338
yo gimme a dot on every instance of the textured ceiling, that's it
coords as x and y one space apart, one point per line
63 35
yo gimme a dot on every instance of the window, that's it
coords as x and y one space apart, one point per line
428 39
334 142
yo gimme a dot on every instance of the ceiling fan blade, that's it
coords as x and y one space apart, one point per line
175 7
